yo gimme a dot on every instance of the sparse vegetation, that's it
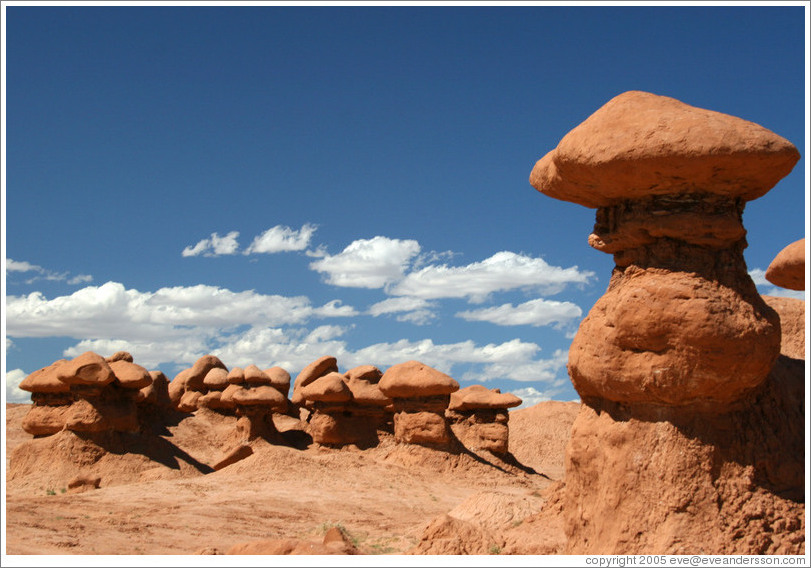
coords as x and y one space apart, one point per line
50 492
495 549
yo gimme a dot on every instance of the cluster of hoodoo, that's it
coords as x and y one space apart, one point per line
346 408
86 394
680 349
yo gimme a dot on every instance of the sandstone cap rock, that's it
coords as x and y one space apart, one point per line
787 270
130 375
480 397
201 367
216 379
236 376
262 395
256 376
414 379
156 392
318 368
120 356
363 383
45 380
279 379
641 144
89 369
329 388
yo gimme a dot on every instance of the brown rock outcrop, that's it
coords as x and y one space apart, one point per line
200 386
681 352
479 418
421 395
346 408
787 270
318 368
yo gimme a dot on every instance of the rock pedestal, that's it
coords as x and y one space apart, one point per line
479 418
421 395
676 363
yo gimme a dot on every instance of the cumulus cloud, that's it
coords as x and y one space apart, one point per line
214 245
524 370
531 396
368 263
476 281
766 288
534 312
282 239
418 317
111 311
22 266
13 391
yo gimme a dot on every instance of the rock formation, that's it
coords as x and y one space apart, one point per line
346 408
479 418
86 394
318 368
421 395
787 270
189 386
689 438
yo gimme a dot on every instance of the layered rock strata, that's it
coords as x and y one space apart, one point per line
686 416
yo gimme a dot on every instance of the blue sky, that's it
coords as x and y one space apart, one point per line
272 184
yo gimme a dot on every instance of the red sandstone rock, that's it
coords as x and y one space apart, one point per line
46 420
216 379
198 372
639 144
236 376
329 388
45 380
130 375
311 372
255 376
88 369
157 392
787 270
120 356
279 379
792 325
415 379
480 397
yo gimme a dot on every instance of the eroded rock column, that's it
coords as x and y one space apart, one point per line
674 364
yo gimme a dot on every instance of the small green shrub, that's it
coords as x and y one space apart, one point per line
495 549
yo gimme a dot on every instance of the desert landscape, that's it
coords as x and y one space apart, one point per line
688 439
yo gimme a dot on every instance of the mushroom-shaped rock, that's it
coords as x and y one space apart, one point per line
188 402
201 367
479 417
255 376
414 379
421 395
329 388
216 379
640 144
787 270
681 322
311 372
130 375
120 356
279 379
236 376
177 387
255 407
681 350
45 420
88 369
45 380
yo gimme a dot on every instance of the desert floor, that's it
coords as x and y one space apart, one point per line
383 497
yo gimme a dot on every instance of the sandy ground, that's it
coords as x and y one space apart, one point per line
383 497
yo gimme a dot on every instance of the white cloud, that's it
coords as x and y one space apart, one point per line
282 239
22 266
111 311
530 396
80 279
418 317
503 271
214 245
534 312
766 288
542 370
13 391
417 310
368 263
401 304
